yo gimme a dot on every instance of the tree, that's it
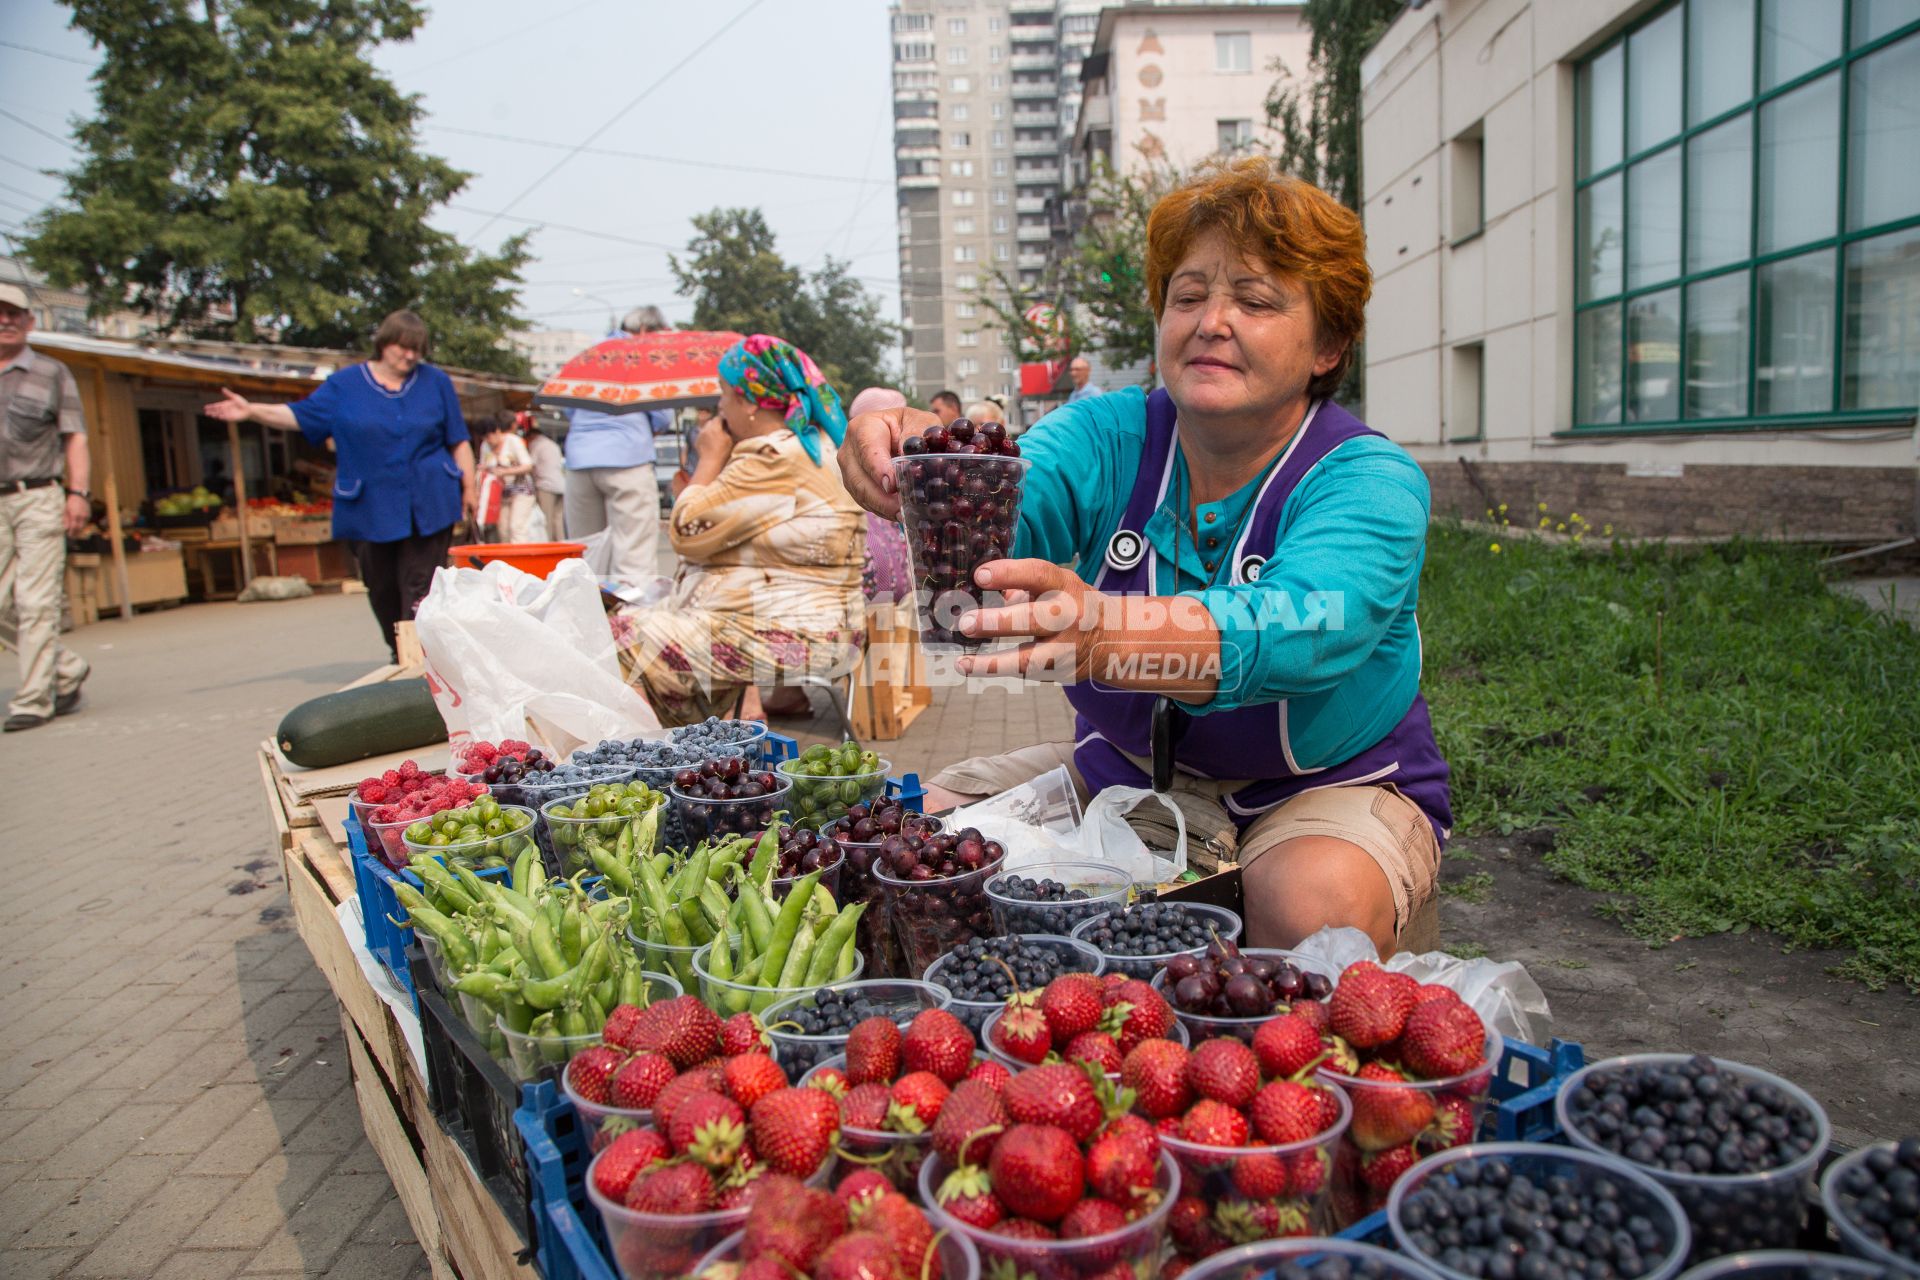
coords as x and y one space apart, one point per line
733 271
1319 120
249 174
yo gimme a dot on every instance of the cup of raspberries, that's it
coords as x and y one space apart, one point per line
862 1230
1737 1146
404 801
959 489
1416 1062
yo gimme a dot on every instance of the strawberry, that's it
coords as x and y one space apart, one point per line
990 1073
1243 1221
916 1101
1095 1217
771 1268
1135 1012
1071 1004
1387 1111
738 1193
1058 1095
1340 1057
865 1107
752 1076
1094 1047
860 1184
937 1041
1443 1038
682 1087
873 1052
1190 1223
1213 1124
792 1222
709 1127
1433 991
1452 1124
1285 1046
1314 1013
859 1255
1120 1164
967 1194
1381 1169
623 1026
742 1033
1021 1032
905 1229
675 1189
638 1082
829 1080
1156 1071
793 1129
682 1028
1037 1171
1260 1175
971 1121
1225 1070
1285 1112
615 1168
591 1072
1370 1006
1306 1171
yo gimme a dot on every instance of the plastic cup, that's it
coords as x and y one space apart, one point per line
817 800
747 737
1291 1260
1787 1264
566 838
1454 1104
1106 889
1859 1238
661 1246
726 997
703 819
932 917
874 936
1638 1195
959 1260
1730 1214
436 958
1205 1025
1138 1244
900 998
947 541
534 793
531 1058
1176 1033
830 876
664 957
1302 1170
1075 957
897 1157
487 851
1224 922
387 840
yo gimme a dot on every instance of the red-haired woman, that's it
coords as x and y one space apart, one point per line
1240 617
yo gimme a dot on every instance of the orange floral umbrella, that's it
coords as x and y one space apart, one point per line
671 369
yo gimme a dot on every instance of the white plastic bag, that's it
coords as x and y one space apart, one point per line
1502 992
510 655
1037 825
1105 836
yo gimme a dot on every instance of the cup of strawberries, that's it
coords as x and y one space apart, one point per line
862 1230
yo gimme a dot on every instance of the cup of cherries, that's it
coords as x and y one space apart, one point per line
934 889
959 487
865 833
726 797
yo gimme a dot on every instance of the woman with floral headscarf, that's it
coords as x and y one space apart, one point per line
770 544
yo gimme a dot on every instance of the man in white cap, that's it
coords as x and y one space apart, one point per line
44 435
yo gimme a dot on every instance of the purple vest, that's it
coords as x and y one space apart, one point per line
1250 742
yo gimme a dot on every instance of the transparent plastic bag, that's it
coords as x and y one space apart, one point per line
1502 992
1041 821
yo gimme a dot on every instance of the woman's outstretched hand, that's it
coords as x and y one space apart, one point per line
867 452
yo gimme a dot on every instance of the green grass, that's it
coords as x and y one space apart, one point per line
1758 766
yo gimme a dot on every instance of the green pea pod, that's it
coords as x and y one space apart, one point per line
747 949
475 887
598 961
411 898
616 871
573 933
536 873
452 939
653 890
786 925
547 956
486 985
823 904
826 952
729 856
553 908
603 996
798 955
572 1021
766 856
517 1012
623 843
645 832
522 870
441 882
504 960
755 913
749 974
517 905
694 873
594 1009
632 988
547 993
714 904
843 967
720 959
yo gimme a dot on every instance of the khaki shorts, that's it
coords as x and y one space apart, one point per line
1392 829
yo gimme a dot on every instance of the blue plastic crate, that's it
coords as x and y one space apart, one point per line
1524 1085
373 880
569 1242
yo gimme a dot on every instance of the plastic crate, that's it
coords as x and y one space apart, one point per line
380 909
1524 1085
569 1242
776 747
476 1101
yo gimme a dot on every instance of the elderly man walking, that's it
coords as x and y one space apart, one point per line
44 435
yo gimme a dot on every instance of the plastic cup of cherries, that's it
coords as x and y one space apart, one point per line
959 487
726 797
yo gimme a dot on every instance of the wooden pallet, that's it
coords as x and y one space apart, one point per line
890 689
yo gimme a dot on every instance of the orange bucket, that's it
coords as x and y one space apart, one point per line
536 558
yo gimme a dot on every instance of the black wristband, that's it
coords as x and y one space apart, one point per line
79 493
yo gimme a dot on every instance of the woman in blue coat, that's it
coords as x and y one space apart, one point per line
405 463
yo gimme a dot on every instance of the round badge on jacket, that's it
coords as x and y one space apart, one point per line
1126 549
1250 567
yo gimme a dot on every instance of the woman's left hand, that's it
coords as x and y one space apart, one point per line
714 440
1065 617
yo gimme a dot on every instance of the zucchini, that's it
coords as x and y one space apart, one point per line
373 720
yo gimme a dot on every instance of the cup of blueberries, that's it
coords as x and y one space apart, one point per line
656 761
959 489
1052 897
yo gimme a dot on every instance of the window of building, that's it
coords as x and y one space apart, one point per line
1747 216
962 197
999 138
1466 177
960 168
999 195
1233 51
960 111
969 393
1000 223
966 282
999 166
995 26
959 84
913 51
1467 406
963 226
960 139
995 53
906 22
1002 252
963 310
998 110
915 80
966 253
1008 364
968 338
956 55
996 82
956 26
1232 135
966 365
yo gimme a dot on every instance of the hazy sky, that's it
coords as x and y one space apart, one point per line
800 86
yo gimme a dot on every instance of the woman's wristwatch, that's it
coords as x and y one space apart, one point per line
83 494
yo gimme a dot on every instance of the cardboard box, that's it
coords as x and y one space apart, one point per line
226 527
300 531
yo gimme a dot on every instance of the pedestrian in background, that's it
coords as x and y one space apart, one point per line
610 479
1084 387
44 434
983 411
549 477
404 463
946 406
505 455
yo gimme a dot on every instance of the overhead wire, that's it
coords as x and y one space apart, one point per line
620 154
